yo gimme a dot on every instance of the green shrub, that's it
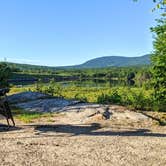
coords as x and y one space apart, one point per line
5 73
52 88
136 98
113 98
39 86
81 98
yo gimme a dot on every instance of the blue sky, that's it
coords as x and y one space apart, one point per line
67 32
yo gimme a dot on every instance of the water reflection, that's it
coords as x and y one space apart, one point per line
83 83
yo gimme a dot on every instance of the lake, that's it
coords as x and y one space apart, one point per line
78 83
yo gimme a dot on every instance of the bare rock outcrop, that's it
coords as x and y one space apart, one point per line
75 111
26 96
46 105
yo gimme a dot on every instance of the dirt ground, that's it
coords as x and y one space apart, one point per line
65 141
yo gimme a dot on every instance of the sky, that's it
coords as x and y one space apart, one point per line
69 32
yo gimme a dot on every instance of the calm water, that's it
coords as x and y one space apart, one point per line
81 83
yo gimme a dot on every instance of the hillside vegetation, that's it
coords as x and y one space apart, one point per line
102 62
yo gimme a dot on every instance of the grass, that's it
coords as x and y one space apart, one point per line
29 117
16 89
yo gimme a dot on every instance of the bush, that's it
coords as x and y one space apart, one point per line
5 73
113 98
81 98
137 100
39 86
53 88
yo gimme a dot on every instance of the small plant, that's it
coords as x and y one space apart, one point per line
28 117
103 99
58 90
53 89
81 98
114 97
39 86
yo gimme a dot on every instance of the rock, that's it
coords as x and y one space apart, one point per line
74 110
88 107
84 113
26 96
128 115
46 105
107 114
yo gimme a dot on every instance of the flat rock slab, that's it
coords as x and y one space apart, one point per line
46 105
74 110
85 113
82 107
130 115
26 96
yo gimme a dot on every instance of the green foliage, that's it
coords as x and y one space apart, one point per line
100 85
160 4
39 86
52 88
115 61
58 89
81 98
138 100
102 62
28 117
131 76
159 63
111 98
5 73
133 97
142 75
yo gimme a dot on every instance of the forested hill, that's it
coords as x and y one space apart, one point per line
116 61
102 62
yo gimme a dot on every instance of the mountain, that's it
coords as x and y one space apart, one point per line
102 62
116 61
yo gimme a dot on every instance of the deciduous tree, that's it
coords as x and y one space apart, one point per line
159 63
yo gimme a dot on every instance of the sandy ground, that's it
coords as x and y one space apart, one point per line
69 142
